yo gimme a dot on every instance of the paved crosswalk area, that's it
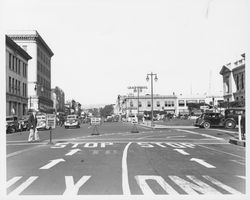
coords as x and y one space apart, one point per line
147 163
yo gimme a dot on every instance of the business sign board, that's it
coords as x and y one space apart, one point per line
95 121
204 107
51 121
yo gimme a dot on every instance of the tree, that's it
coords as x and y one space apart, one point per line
107 110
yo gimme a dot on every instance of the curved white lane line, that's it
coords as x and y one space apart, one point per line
125 184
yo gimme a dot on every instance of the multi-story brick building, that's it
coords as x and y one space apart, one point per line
16 78
39 75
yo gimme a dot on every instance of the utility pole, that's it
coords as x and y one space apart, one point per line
152 97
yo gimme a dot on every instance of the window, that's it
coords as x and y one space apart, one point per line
158 104
9 60
201 101
181 103
237 82
13 62
242 81
23 90
191 101
149 104
9 84
169 103
19 83
131 103
16 65
12 86
140 104
16 87
19 66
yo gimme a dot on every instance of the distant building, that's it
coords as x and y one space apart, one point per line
234 80
58 98
39 74
175 104
16 78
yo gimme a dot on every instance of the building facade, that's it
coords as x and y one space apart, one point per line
174 104
58 98
39 74
234 80
16 79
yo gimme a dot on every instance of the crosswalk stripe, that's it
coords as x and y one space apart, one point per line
220 184
13 180
24 185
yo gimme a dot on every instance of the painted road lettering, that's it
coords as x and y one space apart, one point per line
202 162
181 151
71 188
141 181
175 185
23 186
165 144
73 151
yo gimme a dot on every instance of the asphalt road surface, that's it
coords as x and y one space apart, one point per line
117 162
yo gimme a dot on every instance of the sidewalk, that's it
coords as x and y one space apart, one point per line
161 126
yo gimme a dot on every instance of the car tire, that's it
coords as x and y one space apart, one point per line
66 127
206 125
230 124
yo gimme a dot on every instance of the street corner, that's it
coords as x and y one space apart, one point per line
237 142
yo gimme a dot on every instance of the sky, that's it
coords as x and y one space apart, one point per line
103 46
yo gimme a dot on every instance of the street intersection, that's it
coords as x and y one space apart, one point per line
117 162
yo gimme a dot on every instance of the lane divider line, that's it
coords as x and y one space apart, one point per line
202 134
125 182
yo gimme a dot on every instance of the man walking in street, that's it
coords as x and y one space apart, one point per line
33 136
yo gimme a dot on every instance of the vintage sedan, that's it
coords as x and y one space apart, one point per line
210 119
72 121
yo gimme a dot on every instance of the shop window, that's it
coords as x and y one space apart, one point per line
181 103
149 104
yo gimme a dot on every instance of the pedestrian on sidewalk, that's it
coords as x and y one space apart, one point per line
32 121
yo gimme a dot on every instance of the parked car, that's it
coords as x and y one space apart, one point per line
72 121
12 124
41 122
231 116
207 120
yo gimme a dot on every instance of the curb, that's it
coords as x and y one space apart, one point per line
237 142
167 127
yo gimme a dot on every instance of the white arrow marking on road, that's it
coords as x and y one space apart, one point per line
73 151
52 163
202 162
181 151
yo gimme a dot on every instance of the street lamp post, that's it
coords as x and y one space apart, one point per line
137 89
152 98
